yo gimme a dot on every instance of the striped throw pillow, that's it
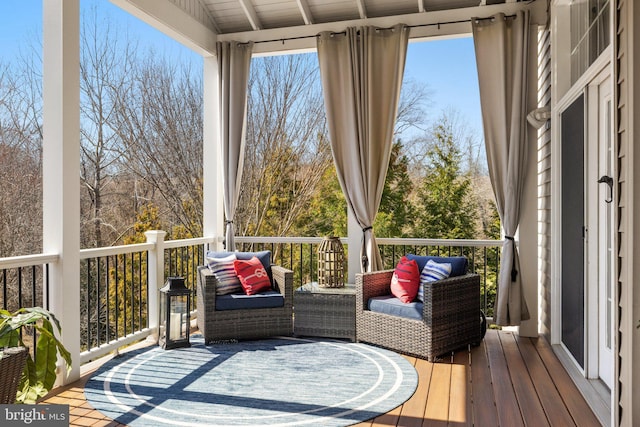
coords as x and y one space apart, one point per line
431 272
228 282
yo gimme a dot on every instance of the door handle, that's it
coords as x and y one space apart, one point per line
609 181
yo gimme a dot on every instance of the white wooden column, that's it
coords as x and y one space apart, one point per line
212 197
61 164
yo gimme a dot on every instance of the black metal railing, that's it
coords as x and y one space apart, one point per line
113 297
300 255
114 282
483 256
183 261
25 286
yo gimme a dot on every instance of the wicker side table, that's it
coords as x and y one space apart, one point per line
325 312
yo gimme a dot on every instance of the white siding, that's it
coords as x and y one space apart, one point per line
627 45
544 184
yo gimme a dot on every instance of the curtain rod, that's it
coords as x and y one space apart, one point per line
435 24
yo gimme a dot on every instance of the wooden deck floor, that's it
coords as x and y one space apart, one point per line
507 381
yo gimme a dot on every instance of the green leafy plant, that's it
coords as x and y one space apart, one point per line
38 376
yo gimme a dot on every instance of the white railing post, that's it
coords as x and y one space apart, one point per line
156 276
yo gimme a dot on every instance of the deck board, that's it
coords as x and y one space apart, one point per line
460 409
483 400
412 413
548 393
438 400
533 414
578 408
493 384
509 411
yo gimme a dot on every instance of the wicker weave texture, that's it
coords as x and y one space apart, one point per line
244 324
11 366
451 316
324 314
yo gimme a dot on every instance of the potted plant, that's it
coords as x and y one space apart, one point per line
39 376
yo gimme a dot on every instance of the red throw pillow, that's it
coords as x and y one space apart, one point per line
252 275
405 280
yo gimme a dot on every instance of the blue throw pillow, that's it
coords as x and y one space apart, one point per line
459 264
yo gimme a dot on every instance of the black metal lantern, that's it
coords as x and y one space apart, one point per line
175 314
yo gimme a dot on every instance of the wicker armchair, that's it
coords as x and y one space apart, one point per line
248 323
11 366
450 316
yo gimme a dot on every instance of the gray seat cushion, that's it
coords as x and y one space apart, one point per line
267 299
388 304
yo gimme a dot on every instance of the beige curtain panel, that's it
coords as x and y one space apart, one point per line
502 46
234 60
361 72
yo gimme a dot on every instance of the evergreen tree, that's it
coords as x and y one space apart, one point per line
395 216
327 212
445 207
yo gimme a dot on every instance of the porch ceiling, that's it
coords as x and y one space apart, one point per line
285 24
234 16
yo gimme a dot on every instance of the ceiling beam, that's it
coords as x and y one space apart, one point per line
171 20
361 9
425 25
305 11
251 14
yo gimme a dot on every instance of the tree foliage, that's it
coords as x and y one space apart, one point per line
287 153
396 214
445 208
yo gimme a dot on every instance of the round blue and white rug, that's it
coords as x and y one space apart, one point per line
272 382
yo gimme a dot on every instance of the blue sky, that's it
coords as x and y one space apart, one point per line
447 66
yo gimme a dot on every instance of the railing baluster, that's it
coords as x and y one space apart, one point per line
117 303
45 285
98 296
124 293
108 323
88 304
147 287
311 264
140 290
34 301
133 292
5 304
20 287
